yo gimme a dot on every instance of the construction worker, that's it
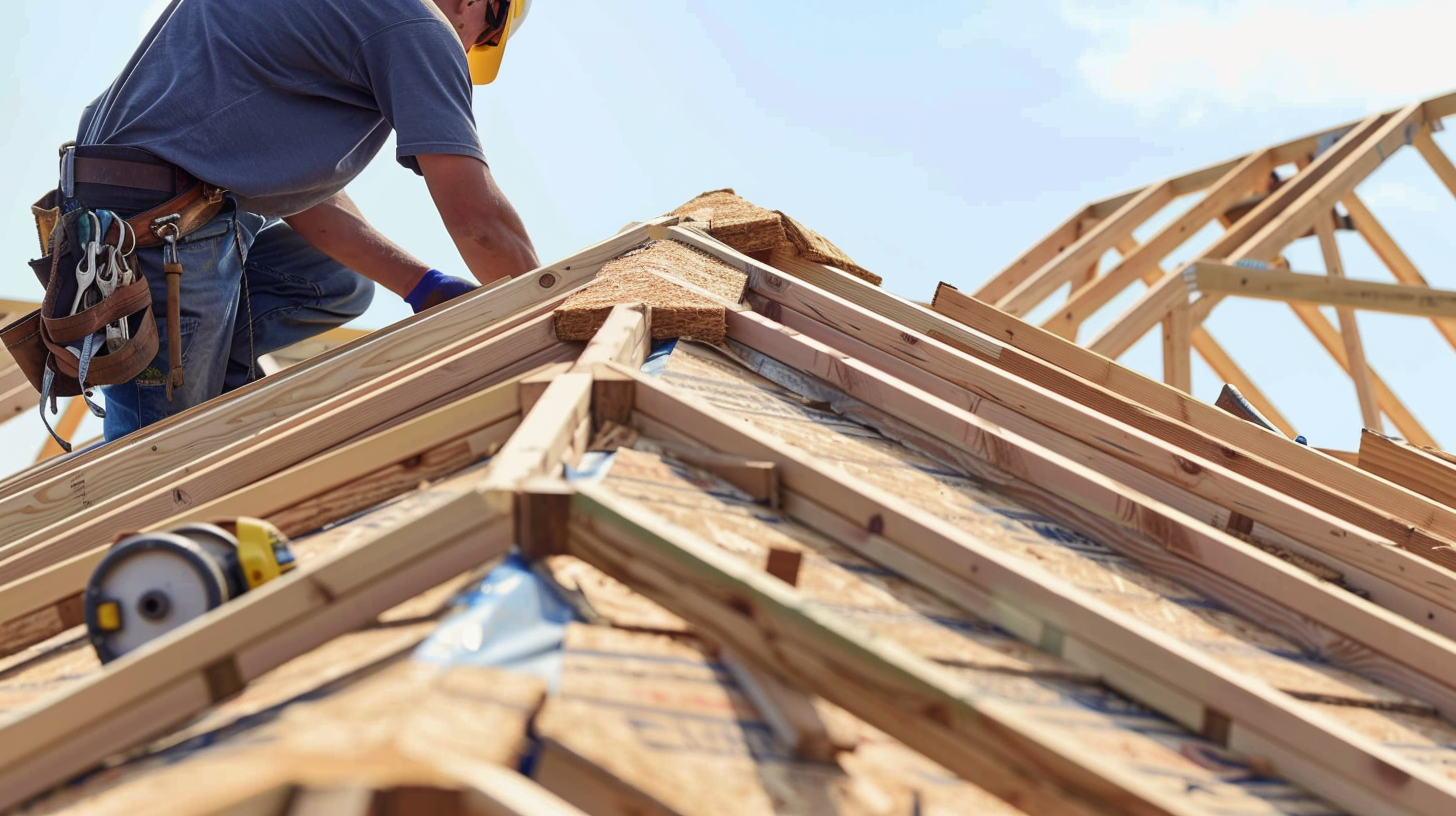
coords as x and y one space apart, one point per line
273 107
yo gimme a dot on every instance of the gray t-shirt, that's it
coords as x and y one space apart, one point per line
284 102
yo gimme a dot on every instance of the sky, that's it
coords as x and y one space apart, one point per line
932 141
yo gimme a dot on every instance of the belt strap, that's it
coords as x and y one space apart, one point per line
151 177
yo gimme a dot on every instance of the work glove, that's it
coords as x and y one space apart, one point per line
435 288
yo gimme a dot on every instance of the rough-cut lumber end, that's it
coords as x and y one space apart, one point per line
736 222
751 229
814 247
687 290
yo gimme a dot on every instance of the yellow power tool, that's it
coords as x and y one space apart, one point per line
151 583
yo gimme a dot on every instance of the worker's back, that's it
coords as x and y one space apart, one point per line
284 102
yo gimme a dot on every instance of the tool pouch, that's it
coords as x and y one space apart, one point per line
65 354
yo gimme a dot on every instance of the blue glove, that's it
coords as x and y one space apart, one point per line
435 288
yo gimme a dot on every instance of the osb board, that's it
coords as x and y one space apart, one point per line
812 246
394 727
750 228
645 275
668 721
746 227
1427 740
609 600
999 521
1146 744
831 575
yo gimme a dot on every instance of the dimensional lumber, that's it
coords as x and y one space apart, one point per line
1113 645
1408 466
1295 187
175 441
1081 587
964 372
1268 284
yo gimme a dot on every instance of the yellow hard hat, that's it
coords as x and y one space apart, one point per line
485 60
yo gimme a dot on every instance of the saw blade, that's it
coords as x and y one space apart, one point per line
158 582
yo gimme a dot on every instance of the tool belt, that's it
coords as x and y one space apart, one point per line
95 325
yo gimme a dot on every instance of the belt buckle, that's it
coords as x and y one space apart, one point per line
68 170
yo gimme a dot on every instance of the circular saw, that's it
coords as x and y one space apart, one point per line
151 583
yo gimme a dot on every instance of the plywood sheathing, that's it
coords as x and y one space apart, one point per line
751 229
646 275
665 720
1044 543
993 665
401 726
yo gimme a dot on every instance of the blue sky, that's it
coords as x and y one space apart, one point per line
932 141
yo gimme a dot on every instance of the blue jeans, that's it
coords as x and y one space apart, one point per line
250 286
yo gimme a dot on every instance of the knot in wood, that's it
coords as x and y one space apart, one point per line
547 280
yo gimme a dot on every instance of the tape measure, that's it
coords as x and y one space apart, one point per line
152 583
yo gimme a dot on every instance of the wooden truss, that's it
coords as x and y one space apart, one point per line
1264 201
751 526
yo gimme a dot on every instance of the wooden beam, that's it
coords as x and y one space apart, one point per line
183 673
1086 300
1324 229
1391 255
48 601
1148 665
1236 244
1178 349
206 477
1408 466
1268 284
48 495
1437 159
769 622
1040 284
1111 389
1037 466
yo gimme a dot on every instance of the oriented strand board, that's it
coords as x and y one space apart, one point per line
647 275
611 601
1041 541
679 736
388 729
746 227
831 575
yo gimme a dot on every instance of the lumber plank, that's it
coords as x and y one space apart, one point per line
885 686
207 477
1040 284
167 682
1390 254
1178 349
1150 666
1052 471
1086 300
546 435
626 338
174 442
1408 466
972 372
1347 492
1235 244
1389 298
1324 229
789 712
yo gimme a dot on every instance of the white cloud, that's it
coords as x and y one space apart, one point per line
1184 60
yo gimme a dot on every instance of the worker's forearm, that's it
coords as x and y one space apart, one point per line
338 229
494 245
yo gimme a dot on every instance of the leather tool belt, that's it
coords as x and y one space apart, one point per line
95 325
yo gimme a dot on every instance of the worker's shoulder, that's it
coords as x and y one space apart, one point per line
376 16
